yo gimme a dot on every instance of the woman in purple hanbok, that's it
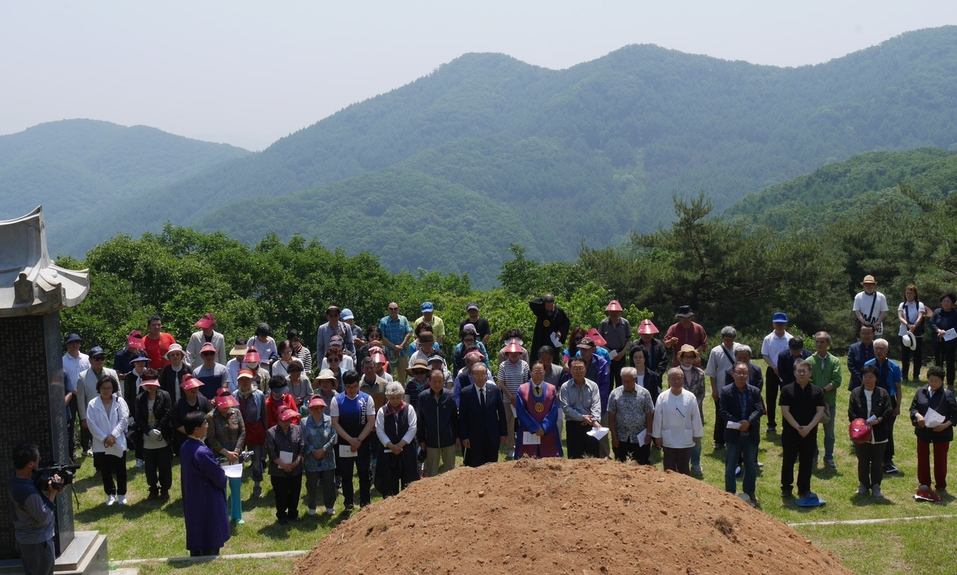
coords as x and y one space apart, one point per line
204 491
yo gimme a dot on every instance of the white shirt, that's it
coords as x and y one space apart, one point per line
773 345
102 422
868 394
72 367
380 426
345 364
862 303
677 420
718 361
913 310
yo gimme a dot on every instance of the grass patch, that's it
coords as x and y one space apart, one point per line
151 529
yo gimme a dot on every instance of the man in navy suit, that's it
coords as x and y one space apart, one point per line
741 407
481 419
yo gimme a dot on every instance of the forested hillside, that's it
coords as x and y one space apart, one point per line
436 174
85 172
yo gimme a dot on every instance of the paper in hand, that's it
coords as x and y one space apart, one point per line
530 439
285 457
346 451
733 425
597 432
950 334
555 341
933 418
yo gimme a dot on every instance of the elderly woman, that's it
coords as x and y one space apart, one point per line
227 438
107 417
153 412
252 406
694 381
204 491
395 426
190 401
941 400
171 376
873 404
281 365
278 400
319 455
284 444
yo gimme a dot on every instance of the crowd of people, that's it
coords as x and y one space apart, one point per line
400 399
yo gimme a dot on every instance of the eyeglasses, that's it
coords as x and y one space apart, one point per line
334 360
393 309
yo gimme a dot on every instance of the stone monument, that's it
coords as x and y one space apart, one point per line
33 290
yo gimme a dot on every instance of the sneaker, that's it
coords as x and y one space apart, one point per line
121 500
110 500
257 490
164 494
891 469
861 489
140 464
696 471
876 491
311 511
350 507
772 428
752 500
787 493
330 511
89 452
925 493
830 463
240 521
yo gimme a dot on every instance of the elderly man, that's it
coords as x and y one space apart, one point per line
214 375
466 375
870 306
720 361
826 374
677 426
353 417
551 324
206 334
617 333
741 409
428 316
482 422
334 327
773 345
74 363
370 382
512 373
631 415
438 425
889 377
581 402
86 391
860 352
397 333
802 408
685 331
537 408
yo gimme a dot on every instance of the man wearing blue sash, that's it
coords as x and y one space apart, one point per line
536 408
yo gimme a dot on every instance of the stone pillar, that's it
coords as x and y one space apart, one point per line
33 290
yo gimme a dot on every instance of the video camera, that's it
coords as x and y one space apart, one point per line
44 476
244 456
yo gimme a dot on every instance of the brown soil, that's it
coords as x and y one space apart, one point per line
561 516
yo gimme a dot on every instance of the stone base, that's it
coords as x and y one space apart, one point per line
86 554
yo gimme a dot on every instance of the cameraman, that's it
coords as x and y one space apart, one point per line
34 518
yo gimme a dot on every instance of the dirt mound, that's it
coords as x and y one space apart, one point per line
561 516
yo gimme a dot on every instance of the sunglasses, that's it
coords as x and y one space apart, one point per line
393 309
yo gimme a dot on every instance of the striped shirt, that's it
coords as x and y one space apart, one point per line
512 375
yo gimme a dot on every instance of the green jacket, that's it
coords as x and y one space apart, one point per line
826 371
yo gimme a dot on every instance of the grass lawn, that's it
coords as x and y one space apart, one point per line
148 529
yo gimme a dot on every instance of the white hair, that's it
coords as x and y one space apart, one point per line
630 372
881 342
394 389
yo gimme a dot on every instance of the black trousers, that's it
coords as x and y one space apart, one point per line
86 439
801 450
945 357
677 459
772 383
579 442
346 466
633 451
38 558
159 468
917 356
111 468
719 424
615 369
888 455
327 480
870 463
286 491
481 452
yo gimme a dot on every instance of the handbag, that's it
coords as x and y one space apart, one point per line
859 431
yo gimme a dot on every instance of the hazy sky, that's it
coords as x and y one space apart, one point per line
248 73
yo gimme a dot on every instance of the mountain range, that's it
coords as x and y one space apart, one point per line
447 171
